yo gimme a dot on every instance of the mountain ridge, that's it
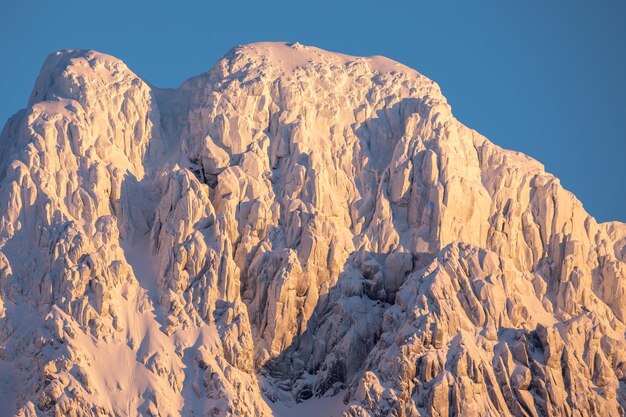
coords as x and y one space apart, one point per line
317 222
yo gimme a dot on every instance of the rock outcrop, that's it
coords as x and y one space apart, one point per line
292 224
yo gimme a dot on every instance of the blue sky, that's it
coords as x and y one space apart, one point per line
547 78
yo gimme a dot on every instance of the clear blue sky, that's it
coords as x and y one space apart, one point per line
547 78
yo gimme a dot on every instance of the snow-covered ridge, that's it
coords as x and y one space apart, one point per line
291 224
293 55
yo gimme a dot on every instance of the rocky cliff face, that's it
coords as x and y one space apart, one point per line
292 224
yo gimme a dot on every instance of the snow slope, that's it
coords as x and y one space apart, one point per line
295 231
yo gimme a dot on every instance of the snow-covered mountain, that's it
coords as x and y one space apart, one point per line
294 230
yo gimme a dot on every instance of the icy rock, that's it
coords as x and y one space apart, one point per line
214 158
311 220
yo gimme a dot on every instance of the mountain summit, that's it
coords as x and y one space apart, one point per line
293 230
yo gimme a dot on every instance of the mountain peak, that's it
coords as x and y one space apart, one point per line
291 55
65 72
294 226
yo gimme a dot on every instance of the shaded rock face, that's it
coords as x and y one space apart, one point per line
293 223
